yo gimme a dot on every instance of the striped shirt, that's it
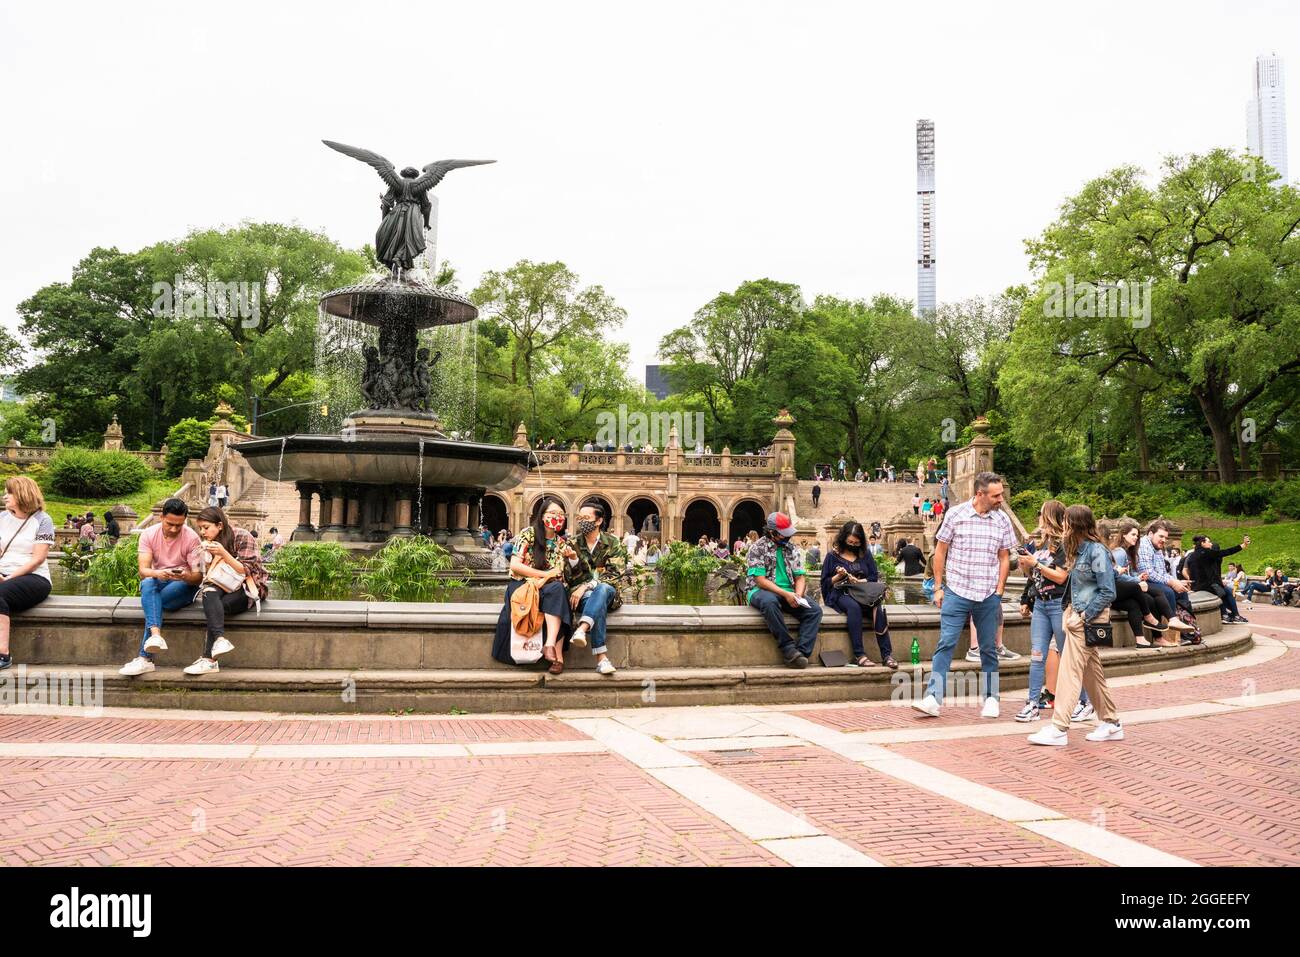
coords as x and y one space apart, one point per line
974 541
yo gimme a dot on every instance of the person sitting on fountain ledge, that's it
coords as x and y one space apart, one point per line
234 580
539 551
169 578
777 579
593 579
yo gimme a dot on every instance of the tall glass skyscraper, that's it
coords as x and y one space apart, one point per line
925 247
1266 114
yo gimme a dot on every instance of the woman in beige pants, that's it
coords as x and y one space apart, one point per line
1092 589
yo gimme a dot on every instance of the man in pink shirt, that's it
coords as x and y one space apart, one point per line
170 572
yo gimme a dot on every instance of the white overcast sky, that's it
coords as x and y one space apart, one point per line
665 150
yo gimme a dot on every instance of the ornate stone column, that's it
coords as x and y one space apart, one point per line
336 528
440 530
305 531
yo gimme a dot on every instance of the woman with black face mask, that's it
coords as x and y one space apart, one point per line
540 552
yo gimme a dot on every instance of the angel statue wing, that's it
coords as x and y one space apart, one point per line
386 170
434 172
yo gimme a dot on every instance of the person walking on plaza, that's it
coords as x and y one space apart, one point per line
817 494
916 504
844 476
972 558
777 583
593 581
170 572
1092 589
943 490
1043 601
26 534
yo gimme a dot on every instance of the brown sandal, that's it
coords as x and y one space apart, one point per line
863 661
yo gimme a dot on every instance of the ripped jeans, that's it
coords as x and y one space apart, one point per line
1044 625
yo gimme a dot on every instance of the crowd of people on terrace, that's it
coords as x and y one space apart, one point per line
1075 580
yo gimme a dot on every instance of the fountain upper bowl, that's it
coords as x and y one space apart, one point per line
410 300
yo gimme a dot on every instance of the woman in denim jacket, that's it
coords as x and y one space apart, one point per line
1092 589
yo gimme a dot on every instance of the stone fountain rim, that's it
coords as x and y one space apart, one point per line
403 287
384 444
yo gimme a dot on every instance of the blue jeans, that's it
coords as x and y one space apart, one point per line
592 609
773 609
1251 587
954 614
1044 625
157 597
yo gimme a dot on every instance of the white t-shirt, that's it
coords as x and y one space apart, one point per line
21 536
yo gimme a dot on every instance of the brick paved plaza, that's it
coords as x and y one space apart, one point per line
1207 776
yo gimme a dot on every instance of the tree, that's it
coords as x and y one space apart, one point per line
726 343
537 320
1210 259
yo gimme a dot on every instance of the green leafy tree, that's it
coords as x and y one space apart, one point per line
1219 245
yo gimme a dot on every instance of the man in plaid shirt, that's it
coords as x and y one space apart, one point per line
972 558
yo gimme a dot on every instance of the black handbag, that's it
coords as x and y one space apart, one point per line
1099 635
866 594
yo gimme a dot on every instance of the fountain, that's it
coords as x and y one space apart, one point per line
392 470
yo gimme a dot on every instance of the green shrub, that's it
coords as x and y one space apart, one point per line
404 570
116 570
1028 501
684 565
1286 498
82 473
314 570
1256 562
187 439
887 567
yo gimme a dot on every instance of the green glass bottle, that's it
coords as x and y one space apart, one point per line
916 650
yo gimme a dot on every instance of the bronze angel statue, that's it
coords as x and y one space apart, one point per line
406 206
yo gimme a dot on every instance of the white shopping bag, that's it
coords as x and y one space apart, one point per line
525 649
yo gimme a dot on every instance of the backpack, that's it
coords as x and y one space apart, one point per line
526 608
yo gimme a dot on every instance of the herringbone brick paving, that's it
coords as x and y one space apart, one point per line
887 819
571 809
1218 790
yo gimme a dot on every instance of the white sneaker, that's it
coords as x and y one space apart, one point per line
1106 732
927 706
1050 735
202 667
605 666
155 643
1006 654
973 655
221 646
579 639
1082 712
990 709
136 666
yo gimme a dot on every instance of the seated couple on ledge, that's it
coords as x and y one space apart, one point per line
574 576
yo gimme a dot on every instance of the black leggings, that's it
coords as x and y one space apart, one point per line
1135 604
19 594
216 606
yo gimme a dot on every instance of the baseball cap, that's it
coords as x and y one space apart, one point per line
780 523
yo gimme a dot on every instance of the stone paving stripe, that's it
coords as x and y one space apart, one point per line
819 851
641 749
280 752
1104 845
736 806
733 744
1006 807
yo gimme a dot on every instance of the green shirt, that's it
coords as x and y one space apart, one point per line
780 573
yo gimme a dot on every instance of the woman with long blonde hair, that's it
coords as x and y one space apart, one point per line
1043 601
1092 589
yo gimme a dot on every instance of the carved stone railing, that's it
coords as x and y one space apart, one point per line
41 454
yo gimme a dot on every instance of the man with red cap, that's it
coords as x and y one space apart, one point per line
776 584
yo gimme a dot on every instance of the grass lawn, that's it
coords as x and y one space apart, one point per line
154 490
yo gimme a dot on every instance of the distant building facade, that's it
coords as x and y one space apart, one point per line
1266 115
926 264
656 382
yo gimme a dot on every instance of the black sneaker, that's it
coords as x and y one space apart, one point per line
6 661
798 662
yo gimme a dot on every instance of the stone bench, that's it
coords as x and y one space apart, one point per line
105 631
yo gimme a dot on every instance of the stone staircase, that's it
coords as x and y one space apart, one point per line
867 502
280 502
